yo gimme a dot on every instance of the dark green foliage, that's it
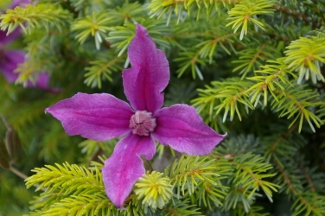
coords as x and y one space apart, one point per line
253 69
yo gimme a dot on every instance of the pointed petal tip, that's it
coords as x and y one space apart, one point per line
123 168
182 128
47 110
219 138
224 135
140 29
149 73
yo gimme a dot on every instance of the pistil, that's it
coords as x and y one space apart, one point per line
142 123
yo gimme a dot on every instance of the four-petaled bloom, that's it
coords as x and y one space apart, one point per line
102 117
10 59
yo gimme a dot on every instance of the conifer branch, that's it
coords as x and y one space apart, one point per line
223 39
159 8
251 59
190 61
121 36
246 12
311 14
67 175
188 172
80 190
47 16
277 142
182 208
96 25
243 95
103 68
305 202
222 96
306 56
276 51
298 101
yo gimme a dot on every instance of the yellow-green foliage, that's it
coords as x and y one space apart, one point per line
211 181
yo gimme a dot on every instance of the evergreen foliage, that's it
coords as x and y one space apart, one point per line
253 69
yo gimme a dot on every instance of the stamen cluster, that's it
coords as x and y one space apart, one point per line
142 123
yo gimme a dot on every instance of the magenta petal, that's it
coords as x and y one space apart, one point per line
125 166
21 3
6 39
42 83
9 62
181 127
149 74
94 116
42 80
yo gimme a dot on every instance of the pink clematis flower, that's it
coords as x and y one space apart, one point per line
10 59
21 3
102 117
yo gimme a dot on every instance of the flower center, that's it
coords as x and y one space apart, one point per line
142 123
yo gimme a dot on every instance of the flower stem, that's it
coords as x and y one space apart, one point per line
18 173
